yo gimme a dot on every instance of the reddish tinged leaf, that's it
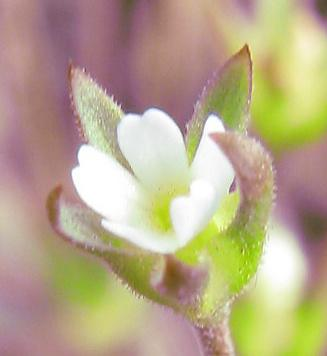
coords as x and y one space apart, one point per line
247 233
78 224
253 168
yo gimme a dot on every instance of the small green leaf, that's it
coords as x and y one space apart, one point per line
231 245
160 278
227 94
236 252
97 113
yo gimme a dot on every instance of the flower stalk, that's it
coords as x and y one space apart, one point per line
216 339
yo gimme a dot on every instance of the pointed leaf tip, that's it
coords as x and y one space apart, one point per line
97 113
227 94
245 51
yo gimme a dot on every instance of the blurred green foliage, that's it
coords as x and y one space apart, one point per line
289 107
259 330
78 279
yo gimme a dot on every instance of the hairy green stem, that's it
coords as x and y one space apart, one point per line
216 340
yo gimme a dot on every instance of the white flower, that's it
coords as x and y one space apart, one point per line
167 202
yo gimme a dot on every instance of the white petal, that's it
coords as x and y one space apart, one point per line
149 240
210 163
105 186
190 214
154 147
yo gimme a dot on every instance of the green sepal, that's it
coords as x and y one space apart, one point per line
97 113
160 278
227 94
236 252
232 244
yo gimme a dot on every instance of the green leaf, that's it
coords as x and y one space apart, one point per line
96 112
227 94
160 278
231 245
236 252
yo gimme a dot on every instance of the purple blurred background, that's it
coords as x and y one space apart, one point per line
53 300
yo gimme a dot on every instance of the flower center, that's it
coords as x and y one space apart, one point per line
160 206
